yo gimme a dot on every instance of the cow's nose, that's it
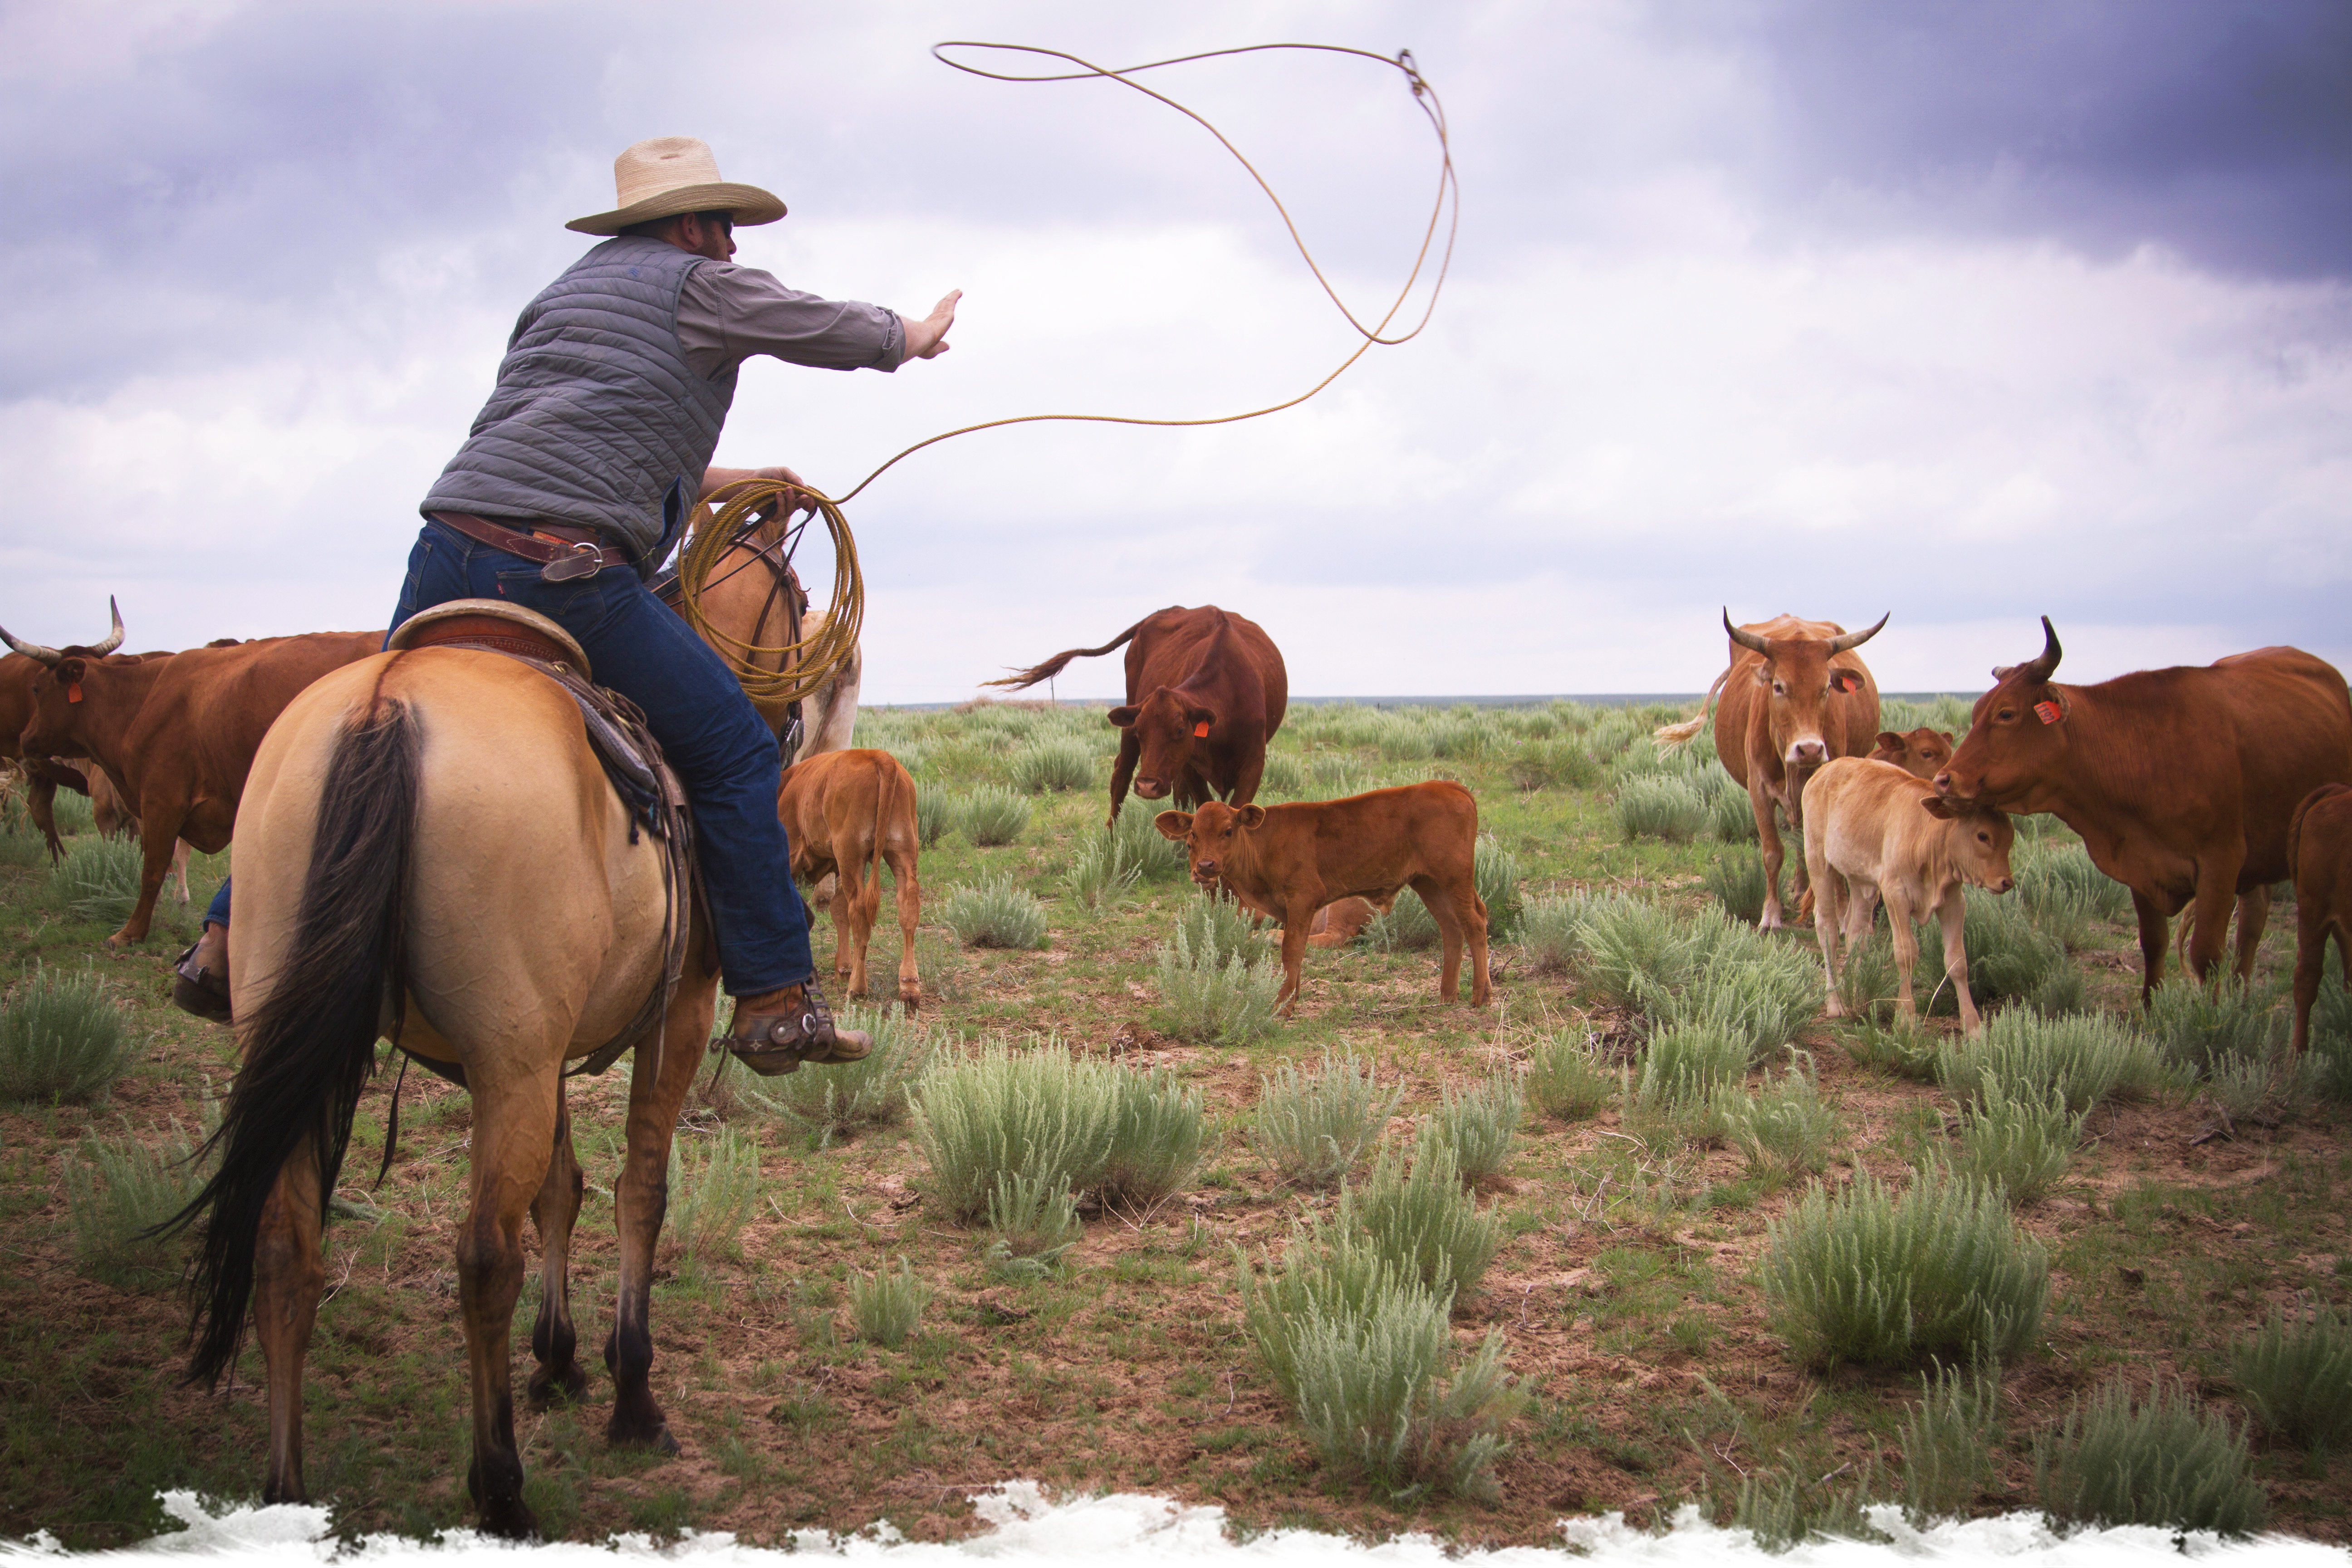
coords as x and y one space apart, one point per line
1151 789
1944 782
1806 752
1204 868
2006 884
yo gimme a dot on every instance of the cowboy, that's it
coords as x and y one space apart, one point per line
596 443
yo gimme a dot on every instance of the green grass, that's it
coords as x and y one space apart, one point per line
1314 1127
993 815
60 1038
887 1306
2164 1461
995 911
119 1189
2295 1374
2082 1059
714 1186
1418 1215
99 878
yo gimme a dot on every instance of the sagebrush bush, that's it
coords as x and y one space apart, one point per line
1159 1133
1637 953
1480 1122
1210 991
1865 1276
2270 1088
1568 1078
1907 1050
2067 896
1141 845
1548 931
1313 1127
1766 992
1783 1129
995 911
713 1189
2295 1374
20 846
2017 1139
1669 808
1098 878
116 1191
1553 764
2167 1461
1215 921
1737 880
1731 818
2197 1026
1337 776
2010 958
73 814
1496 873
1324 1273
1053 764
2083 1057
868 1092
1406 926
934 814
1402 738
99 878
1420 1216
1285 776
1686 1065
1947 1438
1033 1216
993 815
60 1038
993 1111
887 1307
1375 1393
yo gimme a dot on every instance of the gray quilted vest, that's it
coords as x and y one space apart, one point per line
596 420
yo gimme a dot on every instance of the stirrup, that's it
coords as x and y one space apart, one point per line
774 1044
197 990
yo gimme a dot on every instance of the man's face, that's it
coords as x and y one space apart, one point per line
706 234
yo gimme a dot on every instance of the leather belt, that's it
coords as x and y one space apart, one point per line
564 552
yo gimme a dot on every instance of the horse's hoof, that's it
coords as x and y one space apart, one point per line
546 1387
655 1436
511 1520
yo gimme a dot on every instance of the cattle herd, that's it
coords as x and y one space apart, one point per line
2198 788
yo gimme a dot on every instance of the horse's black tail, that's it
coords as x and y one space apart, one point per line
311 1045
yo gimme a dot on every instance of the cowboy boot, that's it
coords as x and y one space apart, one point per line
201 982
775 1033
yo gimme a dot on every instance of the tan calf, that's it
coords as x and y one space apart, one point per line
1289 861
846 812
1871 825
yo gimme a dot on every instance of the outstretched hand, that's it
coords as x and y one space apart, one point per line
928 339
716 481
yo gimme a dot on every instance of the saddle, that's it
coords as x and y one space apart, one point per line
632 760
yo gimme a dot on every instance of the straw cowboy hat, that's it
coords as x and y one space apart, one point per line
671 174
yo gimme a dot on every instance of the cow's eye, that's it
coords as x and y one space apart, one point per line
1779 689
2006 715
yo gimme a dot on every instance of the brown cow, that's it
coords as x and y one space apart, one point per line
2319 852
177 733
1871 824
2182 782
1794 697
1205 692
114 818
846 813
1921 753
1289 861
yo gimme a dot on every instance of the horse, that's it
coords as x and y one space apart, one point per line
368 908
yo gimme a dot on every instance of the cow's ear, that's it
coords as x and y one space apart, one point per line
1845 680
1124 718
1936 806
1174 824
1196 715
1764 673
1252 815
70 671
1888 740
1945 736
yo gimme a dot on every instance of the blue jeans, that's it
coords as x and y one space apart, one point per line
724 753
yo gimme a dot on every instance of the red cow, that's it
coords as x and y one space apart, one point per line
1921 753
1205 692
1289 861
846 813
2319 852
178 734
2182 782
1793 697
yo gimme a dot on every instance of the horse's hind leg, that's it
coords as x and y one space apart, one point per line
288 1278
554 1339
657 1089
514 1132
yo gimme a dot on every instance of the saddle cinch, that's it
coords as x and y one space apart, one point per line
632 760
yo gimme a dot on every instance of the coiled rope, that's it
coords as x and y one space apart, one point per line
808 663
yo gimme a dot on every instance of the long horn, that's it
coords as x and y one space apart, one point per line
113 638
1747 640
48 656
2042 665
1855 640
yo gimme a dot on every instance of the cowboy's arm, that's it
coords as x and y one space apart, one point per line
726 314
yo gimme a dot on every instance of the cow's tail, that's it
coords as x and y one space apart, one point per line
1678 734
1053 665
310 1048
882 792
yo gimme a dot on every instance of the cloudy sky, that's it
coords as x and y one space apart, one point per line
1968 311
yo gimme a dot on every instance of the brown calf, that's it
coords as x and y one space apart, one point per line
1921 753
2319 852
1289 861
1870 824
846 812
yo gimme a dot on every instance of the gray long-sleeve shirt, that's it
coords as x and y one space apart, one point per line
728 313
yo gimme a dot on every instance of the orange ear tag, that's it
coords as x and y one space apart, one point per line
2048 712
73 691
1199 729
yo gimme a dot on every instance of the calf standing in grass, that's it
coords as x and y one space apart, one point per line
1871 825
1289 861
844 812
2319 857
1921 753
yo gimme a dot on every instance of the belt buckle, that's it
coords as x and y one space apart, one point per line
586 560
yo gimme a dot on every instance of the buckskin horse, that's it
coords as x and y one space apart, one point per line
430 851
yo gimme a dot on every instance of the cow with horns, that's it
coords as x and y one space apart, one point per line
1793 697
2182 782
